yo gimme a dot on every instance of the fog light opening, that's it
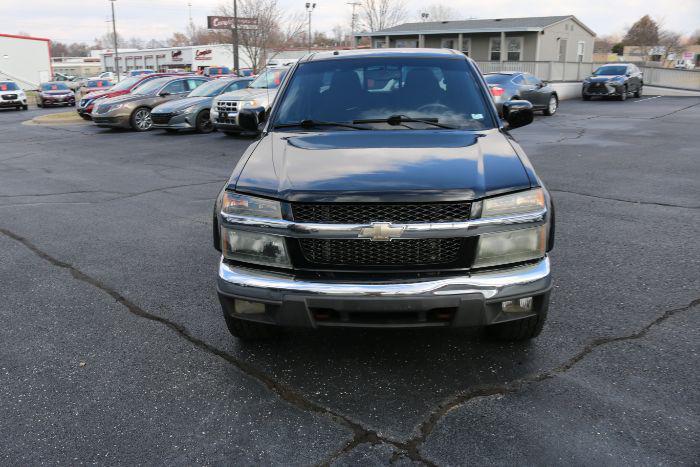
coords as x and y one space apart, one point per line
244 307
517 306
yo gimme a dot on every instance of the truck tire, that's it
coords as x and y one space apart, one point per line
638 92
623 94
521 329
249 330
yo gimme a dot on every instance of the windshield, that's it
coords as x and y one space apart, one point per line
126 84
209 89
150 87
442 90
8 86
498 78
610 70
270 79
54 87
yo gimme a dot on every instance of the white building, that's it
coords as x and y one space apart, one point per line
83 67
188 58
25 60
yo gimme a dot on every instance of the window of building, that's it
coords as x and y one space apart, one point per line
466 45
448 43
380 44
580 49
515 48
406 43
495 49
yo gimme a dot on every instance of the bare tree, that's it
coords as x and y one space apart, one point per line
376 15
440 12
671 42
644 34
273 29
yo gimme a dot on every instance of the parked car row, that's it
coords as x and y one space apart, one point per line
175 102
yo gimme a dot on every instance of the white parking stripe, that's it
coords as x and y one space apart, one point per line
655 97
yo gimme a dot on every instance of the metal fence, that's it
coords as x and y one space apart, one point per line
577 71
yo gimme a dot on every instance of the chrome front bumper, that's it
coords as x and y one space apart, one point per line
475 297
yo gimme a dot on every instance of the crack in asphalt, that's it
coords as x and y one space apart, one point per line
650 203
361 435
579 134
509 387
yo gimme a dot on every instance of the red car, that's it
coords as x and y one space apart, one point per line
124 86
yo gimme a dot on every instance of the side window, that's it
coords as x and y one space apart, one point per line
518 79
194 83
176 87
532 80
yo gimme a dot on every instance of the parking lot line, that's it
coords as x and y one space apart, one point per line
648 98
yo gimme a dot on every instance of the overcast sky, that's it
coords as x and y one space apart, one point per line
83 20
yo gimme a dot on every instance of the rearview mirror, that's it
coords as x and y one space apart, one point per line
250 119
517 113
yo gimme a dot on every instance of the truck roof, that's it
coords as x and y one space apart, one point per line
367 53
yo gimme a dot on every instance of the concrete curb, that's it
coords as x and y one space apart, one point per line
60 118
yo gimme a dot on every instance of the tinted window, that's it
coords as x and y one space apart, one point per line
519 79
8 86
54 87
176 87
611 70
209 89
380 87
529 79
150 87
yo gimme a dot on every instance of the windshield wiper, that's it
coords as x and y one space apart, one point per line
315 123
396 120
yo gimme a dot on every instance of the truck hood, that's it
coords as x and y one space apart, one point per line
396 165
248 94
179 104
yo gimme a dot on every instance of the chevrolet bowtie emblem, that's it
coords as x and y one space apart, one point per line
381 232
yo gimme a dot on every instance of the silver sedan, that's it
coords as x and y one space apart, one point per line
192 112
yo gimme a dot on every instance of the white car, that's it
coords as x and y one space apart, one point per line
11 95
260 93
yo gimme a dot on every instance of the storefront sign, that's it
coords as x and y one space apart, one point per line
227 22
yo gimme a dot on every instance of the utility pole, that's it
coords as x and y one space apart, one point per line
310 8
235 36
352 22
116 42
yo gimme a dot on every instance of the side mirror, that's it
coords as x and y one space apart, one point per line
250 118
517 113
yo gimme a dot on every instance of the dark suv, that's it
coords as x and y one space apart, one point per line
384 191
614 80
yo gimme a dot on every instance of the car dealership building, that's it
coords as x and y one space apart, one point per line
187 58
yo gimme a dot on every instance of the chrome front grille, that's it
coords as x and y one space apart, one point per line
227 106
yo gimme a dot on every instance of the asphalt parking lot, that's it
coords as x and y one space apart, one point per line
113 348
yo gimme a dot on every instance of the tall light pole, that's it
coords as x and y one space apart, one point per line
116 43
310 8
235 36
352 22
424 16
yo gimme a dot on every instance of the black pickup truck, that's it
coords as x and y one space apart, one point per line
384 191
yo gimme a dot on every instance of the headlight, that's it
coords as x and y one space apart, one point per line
186 110
510 247
253 103
243 205
516 203
252 247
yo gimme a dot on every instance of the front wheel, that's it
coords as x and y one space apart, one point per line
85 117
204 123
141 119
552 106
638 92
623 94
